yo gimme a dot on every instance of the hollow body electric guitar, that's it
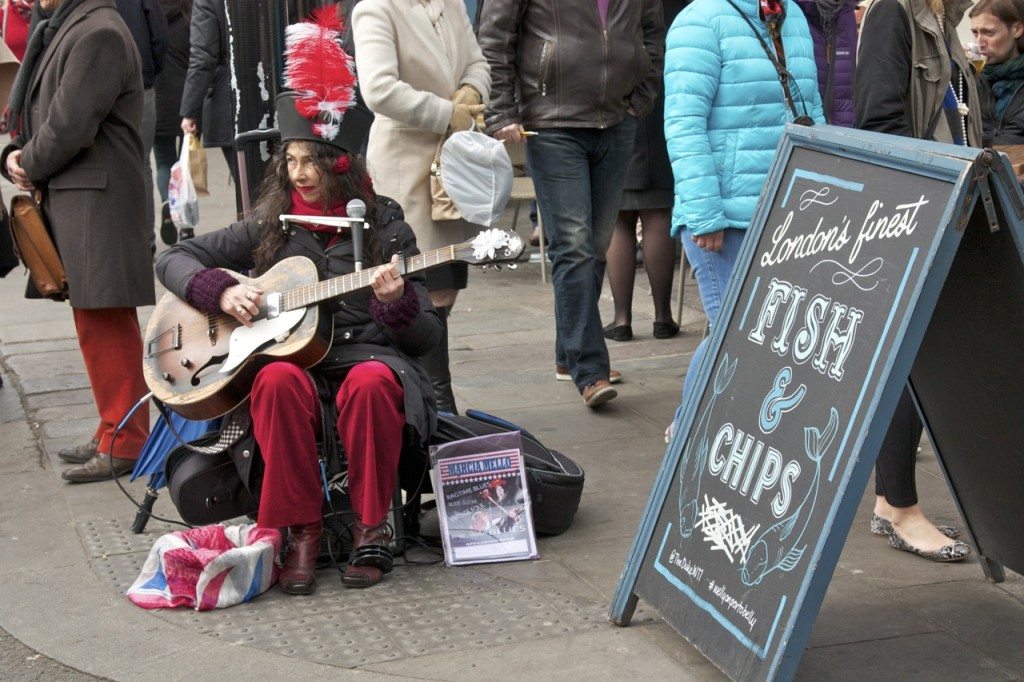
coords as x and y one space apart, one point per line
201 365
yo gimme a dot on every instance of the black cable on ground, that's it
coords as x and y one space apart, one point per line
113 443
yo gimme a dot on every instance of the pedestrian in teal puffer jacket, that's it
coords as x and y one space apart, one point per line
725 111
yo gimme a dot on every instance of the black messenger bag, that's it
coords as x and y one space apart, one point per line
555 481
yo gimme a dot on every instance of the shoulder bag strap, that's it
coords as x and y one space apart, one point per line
780 69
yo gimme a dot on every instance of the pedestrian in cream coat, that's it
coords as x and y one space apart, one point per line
413 71
422 73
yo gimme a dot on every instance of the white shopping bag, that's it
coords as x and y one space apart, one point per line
477 174
181 192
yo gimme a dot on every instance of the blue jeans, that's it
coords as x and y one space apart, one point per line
712 271
578 174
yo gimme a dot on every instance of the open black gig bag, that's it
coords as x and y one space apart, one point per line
555 481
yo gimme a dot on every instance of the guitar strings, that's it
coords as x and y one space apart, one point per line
308 294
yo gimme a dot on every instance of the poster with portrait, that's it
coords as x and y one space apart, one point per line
483 503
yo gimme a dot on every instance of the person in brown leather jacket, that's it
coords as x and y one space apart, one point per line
576 74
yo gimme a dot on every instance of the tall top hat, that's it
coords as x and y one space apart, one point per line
322 102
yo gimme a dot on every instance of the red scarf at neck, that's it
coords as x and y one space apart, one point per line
302 207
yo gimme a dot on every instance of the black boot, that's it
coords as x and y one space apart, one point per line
436 362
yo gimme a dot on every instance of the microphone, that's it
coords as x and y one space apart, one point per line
356 209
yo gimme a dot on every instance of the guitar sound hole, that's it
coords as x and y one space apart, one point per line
214 361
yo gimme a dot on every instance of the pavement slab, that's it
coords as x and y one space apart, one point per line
923 657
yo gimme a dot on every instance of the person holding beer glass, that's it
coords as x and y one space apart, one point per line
998 29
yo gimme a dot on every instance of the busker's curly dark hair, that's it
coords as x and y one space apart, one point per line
275 199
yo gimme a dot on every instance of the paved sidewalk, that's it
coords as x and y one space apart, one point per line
66 554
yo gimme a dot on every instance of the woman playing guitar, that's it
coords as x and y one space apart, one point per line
380 389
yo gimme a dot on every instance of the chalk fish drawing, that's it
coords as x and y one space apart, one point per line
778 547
691 469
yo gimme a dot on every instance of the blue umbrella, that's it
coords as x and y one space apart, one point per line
154 453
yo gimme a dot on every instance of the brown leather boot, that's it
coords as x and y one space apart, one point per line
371 555
298 575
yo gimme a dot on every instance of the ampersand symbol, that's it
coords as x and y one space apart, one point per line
777 402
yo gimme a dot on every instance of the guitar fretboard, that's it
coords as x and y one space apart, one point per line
304 296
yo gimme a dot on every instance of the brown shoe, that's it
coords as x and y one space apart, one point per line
562 374
98 469
598 393
80 454
371 556
298 575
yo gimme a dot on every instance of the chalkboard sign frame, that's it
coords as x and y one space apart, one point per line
959 166
986 483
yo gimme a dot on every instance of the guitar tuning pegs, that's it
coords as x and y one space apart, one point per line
483 268
513 266
497 266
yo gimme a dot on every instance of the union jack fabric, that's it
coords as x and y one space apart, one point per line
210 567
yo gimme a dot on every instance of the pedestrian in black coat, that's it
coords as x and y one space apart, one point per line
206 104
647 196
145 19
170 86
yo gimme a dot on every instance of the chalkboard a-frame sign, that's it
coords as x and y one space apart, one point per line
833 295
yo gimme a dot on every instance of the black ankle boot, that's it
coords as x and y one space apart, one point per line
436 363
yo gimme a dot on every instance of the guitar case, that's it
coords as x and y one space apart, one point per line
554 480
216 477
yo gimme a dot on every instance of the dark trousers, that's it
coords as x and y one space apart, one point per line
578 174
166 149
897 460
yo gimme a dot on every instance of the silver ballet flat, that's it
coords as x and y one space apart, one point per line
958 551
880 526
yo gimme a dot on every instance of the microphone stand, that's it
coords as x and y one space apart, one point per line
354 221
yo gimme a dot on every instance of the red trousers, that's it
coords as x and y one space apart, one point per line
112 349
285 419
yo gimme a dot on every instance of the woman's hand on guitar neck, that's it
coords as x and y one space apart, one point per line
386 283
241 302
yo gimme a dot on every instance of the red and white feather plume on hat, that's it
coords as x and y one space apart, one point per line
319 71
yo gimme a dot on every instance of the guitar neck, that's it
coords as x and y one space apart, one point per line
305 296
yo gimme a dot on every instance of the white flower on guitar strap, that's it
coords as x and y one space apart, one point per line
488 242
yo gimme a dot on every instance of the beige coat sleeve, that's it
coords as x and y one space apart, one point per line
378 69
